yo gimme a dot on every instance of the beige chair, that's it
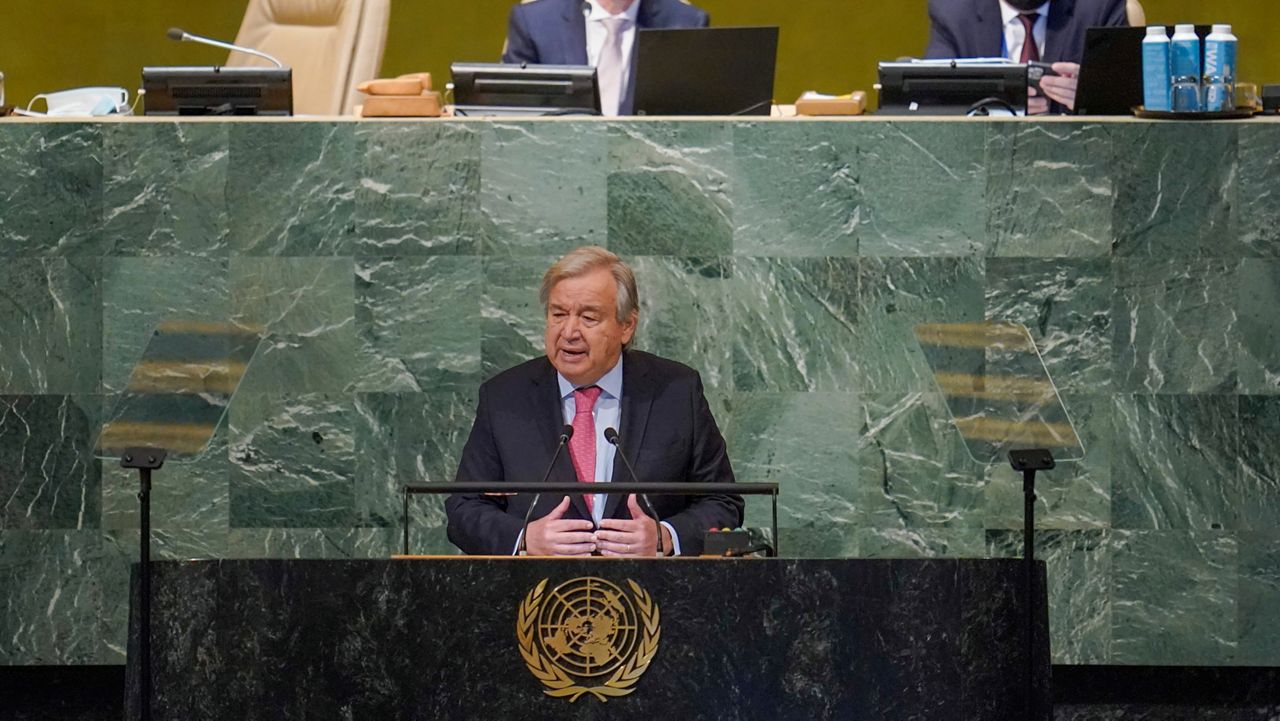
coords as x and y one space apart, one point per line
332 45
1137 17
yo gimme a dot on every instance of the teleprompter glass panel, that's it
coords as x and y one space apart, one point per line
998 390
179 391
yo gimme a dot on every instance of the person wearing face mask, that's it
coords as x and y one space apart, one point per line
600 33
591 378
1000 28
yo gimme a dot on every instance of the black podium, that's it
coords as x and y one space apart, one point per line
511 638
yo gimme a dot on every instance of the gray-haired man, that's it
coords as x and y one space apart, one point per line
590 378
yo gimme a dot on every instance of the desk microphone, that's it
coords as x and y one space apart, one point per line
184 36
611 435
566 432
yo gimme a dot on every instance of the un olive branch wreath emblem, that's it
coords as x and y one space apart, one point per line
558 683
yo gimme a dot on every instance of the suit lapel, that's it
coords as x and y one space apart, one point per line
546 410
549 415
650 14
989 30
575 33
637 399
1054 33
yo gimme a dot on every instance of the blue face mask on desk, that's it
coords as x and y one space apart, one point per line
85 102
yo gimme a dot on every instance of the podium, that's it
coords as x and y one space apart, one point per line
527 638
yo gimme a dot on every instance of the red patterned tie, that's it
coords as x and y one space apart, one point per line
1030 51
583 446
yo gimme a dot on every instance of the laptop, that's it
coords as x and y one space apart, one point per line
1111 70
705 71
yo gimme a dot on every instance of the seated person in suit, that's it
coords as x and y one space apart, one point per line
591 379
999 28
601 33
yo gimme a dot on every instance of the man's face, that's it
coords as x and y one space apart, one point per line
584 338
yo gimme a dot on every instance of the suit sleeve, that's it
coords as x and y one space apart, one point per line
479 524
519 47
708 463
942 40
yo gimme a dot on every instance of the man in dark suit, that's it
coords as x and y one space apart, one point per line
593 32
999 28
591 380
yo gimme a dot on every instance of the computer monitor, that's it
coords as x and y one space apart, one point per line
705 71
217 91
955 87
495 89
1111 70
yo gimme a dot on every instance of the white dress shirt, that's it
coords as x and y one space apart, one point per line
1015 33
607 414
593 14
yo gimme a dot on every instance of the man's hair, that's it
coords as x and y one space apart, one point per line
589 258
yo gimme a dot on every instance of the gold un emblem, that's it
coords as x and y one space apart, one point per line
588 636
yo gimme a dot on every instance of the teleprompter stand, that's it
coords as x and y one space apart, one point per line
176 398
1028 462
1004 405
144 460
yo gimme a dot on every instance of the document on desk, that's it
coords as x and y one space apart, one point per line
948 62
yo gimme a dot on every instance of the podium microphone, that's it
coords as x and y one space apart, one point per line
611 435
566 432
184 36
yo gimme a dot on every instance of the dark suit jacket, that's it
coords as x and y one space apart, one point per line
667 432
973 29
553 32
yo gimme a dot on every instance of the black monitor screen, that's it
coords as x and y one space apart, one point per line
497 89
705 71
218 91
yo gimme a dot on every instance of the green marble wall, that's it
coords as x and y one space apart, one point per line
396 266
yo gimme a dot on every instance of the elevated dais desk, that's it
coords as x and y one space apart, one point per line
501 638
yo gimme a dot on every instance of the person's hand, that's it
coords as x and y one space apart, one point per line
555 535
635 536
1037 104
1061 88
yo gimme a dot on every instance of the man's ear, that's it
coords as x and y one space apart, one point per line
629 328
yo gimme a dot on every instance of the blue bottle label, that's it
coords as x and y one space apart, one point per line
1186 58
1219 74
1220 60
1156 80
1186 74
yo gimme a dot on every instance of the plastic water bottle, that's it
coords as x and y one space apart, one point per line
1185 51
1156 82
1220 70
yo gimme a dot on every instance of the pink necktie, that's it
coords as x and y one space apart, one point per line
609 67
1030 51
583 446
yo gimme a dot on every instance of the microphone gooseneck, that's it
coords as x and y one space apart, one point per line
566 432
611 435
180 35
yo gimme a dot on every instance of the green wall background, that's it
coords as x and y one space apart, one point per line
827 45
